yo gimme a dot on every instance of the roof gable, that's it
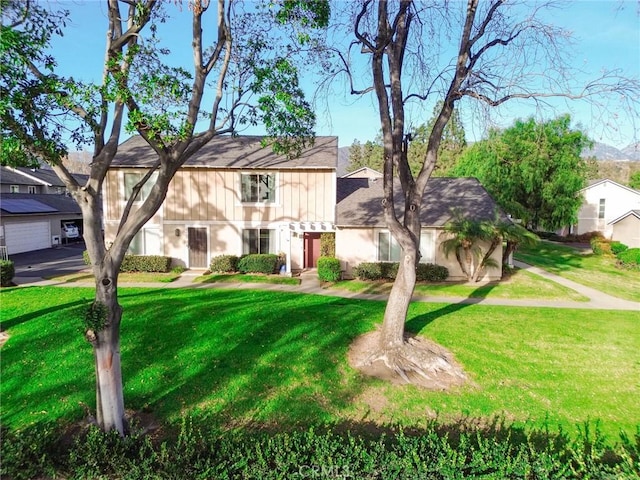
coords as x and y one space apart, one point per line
633 213
242 152
595 183
359 201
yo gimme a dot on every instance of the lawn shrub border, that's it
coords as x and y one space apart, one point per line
438 451
425 272
7 272
266 263
224 264
629 258
139 263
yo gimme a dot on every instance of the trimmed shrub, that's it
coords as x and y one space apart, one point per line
629 258
258 263
618 247
428 272
224 264
7 272
376 271
329 269
85 257
600 246
146 263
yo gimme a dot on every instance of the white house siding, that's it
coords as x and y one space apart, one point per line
618 200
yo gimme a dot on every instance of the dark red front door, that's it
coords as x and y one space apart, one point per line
311 249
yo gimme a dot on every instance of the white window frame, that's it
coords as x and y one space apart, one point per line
601 208
14 189
270 232
142 239
32 189
427 247
144 191
259 200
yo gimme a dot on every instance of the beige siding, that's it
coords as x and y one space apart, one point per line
213 195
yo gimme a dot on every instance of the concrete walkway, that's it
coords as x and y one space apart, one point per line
311 285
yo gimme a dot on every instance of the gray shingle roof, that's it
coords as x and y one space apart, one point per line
45 175
59 203
359 201
225 151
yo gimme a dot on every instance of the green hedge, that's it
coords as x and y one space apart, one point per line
428 272
258 263
425 272
139 263
618 247
329 269
435 452
629 258
600 246
224 264
7 272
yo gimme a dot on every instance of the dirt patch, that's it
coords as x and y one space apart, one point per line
420 362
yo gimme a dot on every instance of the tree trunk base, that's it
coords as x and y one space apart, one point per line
417 361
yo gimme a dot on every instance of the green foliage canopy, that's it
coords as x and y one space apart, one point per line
533 170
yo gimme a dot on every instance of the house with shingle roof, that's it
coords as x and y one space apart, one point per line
236 197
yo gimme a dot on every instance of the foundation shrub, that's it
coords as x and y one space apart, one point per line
376 271
258 263
224 264
146 263
428 272
7 272
329 269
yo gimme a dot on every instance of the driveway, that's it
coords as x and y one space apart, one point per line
60 260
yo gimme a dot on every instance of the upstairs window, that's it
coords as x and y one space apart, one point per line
258 240
31 189
258 187
14 189
601 209
132 179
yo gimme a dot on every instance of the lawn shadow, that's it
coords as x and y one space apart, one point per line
476 297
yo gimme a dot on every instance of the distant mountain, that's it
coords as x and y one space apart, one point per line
603 151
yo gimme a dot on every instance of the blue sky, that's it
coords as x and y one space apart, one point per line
607 35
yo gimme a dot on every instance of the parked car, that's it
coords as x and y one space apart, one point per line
70 230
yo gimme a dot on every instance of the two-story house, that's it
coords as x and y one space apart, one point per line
232 197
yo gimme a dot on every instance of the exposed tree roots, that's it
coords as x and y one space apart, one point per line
418 361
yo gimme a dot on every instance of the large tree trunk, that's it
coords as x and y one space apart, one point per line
110 414
395 315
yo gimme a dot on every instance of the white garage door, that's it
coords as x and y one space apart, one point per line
25 237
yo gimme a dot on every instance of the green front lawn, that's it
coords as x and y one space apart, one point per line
124 277
277 359
246 278
595 271
519 285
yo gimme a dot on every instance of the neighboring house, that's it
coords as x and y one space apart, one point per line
606 202
33 181
235 197
34 221
363 172
231 197
362 235
626 229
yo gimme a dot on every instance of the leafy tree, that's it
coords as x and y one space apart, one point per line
634 180
503 51
250 65
533 170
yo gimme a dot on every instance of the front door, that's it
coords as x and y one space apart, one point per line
197 247
311 249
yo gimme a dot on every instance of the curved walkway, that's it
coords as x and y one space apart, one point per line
311 285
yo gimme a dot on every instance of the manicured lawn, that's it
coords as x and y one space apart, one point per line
520 285
234 357
247 278
599 272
